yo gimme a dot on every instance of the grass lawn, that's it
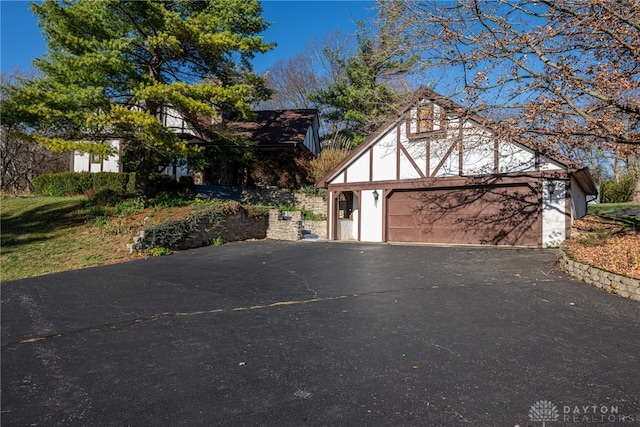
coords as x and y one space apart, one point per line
625 214
42 235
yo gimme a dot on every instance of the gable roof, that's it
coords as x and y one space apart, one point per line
274 127
424 93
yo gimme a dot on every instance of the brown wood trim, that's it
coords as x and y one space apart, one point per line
444 158
434 134
452 181
344 175
72 161
413 163
537 160
120 151
371 164
427 149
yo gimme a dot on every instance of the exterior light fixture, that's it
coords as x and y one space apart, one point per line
551 187
375 198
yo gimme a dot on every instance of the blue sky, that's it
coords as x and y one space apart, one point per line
294 24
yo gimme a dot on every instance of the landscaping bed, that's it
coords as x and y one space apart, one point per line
609 241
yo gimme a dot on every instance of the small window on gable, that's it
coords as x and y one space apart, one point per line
425 118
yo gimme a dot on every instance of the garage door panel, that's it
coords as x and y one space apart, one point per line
507 215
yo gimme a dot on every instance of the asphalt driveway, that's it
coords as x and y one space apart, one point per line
293 334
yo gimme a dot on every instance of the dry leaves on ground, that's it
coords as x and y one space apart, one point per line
606 245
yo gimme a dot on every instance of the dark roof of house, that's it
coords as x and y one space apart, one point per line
275 126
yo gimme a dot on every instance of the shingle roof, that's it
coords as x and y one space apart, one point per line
275 126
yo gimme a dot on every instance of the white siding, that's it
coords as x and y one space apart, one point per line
339 179
111 163
82 161
553 214
578 201
358 171
548 164
355 214
384 157
439 149
478 155
515 158
174 120
371 218
330 215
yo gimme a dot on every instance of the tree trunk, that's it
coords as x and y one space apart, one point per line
635 197
143 171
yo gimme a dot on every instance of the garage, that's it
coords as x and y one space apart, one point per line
497 215
437 174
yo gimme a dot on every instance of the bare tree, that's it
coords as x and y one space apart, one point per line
568 70
22 160
292 80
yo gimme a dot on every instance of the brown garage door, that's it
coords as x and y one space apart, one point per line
496 215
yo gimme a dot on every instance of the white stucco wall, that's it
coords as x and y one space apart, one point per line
548 164
355 216
359 170
330 214
578 201
478 155
515 158
339 179
553 214
82 161
450 166
371 218
384 157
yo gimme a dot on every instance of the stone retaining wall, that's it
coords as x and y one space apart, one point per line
278 226
319 228
232 228
284 225
613 283
284 197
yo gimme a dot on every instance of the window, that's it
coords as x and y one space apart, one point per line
425 118
96 158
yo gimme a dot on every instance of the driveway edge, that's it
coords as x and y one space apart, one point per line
616 284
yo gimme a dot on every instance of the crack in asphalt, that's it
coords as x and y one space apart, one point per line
110 327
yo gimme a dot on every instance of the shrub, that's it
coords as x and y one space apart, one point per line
169 200
130 207
78 183
326 161
158 184
173 233
617 192
231 207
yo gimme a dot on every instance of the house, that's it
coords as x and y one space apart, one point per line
86 162
279 137
434 174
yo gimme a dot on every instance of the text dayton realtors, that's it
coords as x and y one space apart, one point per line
594 414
